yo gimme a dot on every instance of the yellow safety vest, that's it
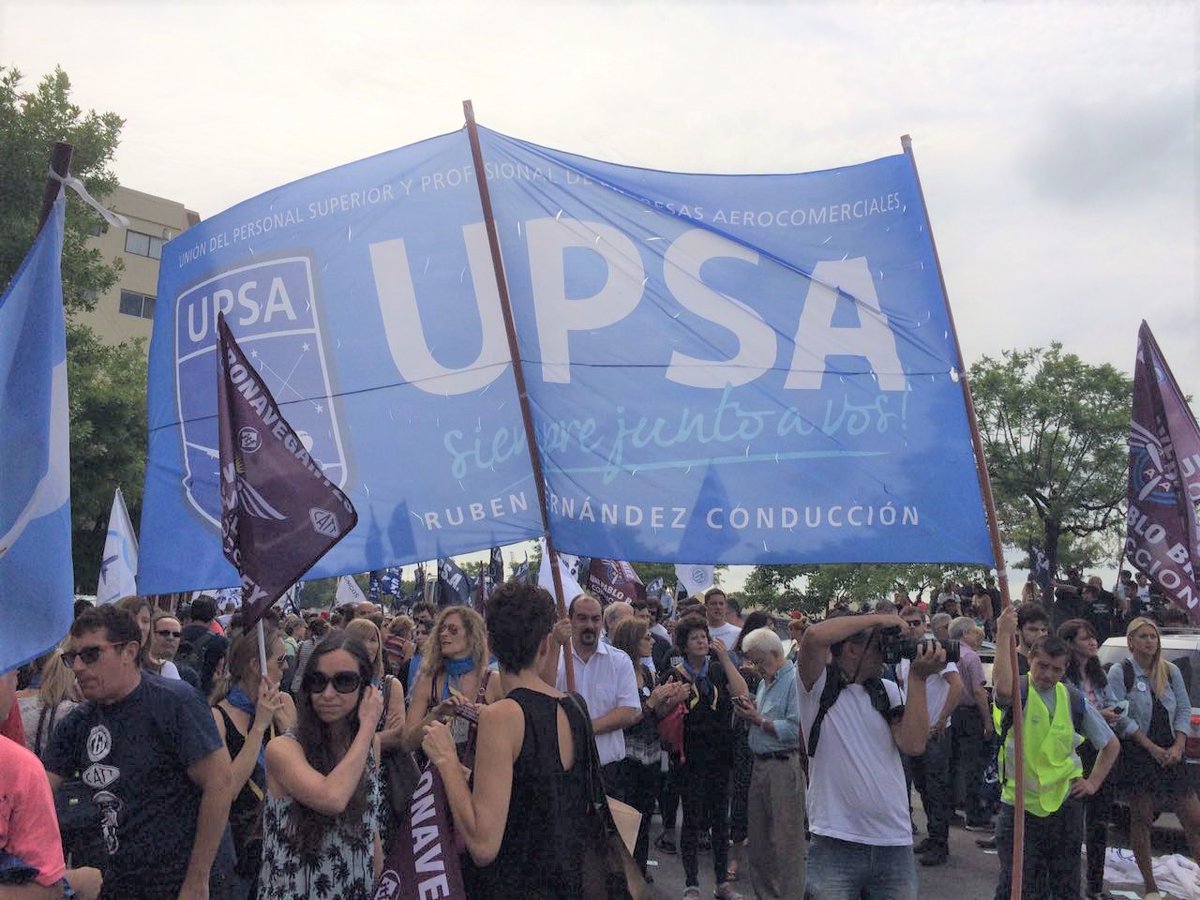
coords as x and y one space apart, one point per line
1051 760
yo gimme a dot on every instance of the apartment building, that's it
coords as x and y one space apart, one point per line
127 310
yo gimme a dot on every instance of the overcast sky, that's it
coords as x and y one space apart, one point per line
1057 143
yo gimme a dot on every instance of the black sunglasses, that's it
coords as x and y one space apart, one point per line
89 655
343 682
168 633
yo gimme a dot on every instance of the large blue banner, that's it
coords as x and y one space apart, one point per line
737 369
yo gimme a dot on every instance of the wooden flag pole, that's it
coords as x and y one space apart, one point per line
262 652
60 164
985 484
485 199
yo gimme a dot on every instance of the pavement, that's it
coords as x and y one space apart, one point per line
970 873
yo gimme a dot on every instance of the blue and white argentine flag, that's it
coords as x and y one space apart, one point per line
36 578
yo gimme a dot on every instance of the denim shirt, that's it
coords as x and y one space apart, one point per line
779 703
1174 698
1103 699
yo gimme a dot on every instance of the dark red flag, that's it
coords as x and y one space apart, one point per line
423 858
614 579
279 513
1164 480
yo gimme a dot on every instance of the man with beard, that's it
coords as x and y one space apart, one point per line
603 677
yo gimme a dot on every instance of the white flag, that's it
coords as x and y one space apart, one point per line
118 564
694 579
571 588
348 591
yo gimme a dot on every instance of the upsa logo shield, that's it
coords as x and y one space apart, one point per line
271 308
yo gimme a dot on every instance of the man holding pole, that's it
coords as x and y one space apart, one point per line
1057 719
604 677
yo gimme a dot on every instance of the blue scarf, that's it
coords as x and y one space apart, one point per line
705 692
455 670
697 674
238 700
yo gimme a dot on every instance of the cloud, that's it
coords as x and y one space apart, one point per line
1134 149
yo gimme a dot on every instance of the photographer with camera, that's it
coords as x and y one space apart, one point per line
930 771
857 726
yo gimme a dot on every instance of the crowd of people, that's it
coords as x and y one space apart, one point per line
155 756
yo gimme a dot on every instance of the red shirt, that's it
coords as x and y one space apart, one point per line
28 825
12 728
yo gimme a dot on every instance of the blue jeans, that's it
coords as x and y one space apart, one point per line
841 870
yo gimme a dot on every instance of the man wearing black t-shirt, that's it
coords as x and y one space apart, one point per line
149 750
201 645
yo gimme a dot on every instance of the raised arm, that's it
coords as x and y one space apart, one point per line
481 813
912 731
737 684
1002 673
289 771
814 646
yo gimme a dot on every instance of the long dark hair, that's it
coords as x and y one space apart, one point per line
1067 632
308 826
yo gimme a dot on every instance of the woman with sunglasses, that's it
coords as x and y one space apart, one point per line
322 809
249 710
454 673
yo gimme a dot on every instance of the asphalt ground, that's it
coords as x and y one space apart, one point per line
970 873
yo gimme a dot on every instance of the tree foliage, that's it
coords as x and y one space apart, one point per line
814 589
107 384
1054 430
30 123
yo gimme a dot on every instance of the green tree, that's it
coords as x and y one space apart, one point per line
108 440
30 123
1054 430
768 586
107 384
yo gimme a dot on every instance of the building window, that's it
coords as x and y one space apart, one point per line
135 304
143 244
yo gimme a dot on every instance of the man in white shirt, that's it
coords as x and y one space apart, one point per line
716 612
603 677
857 809
931 770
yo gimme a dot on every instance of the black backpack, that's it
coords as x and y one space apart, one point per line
835 680
192 653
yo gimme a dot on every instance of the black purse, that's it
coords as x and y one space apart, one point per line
609 872
79 825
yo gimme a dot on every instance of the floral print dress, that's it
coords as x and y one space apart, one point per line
344 867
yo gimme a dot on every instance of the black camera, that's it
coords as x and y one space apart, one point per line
895 648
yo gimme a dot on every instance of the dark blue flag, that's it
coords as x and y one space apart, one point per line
1039 564
453 584
279 513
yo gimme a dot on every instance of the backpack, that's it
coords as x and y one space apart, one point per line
1127 672
1075 697
191 653
835 680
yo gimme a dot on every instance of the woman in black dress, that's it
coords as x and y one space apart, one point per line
524 816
